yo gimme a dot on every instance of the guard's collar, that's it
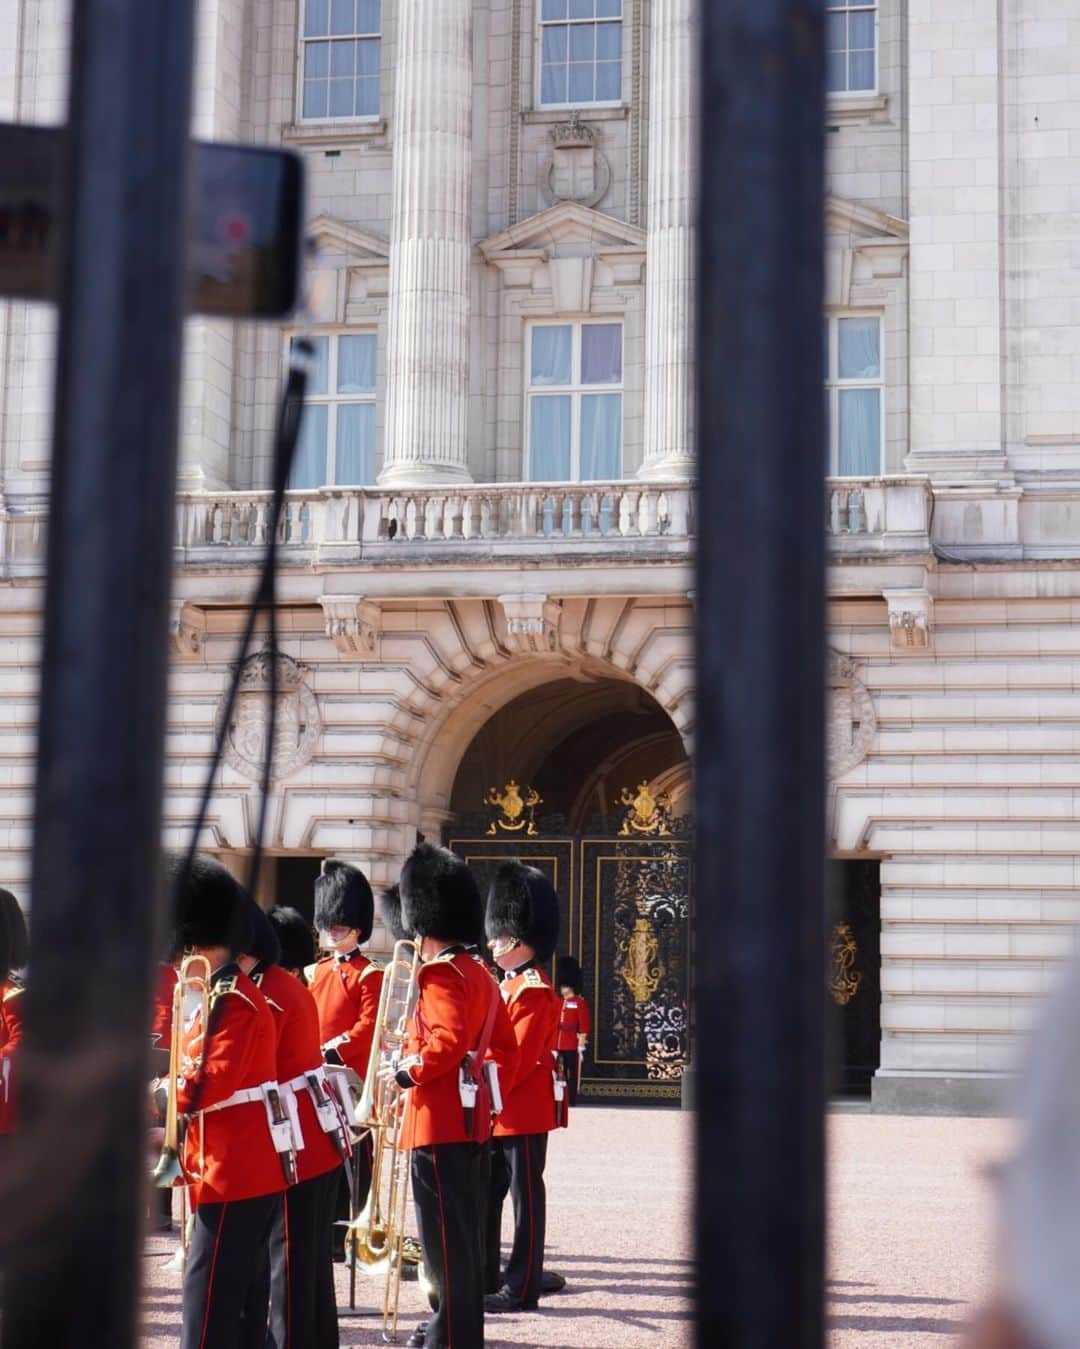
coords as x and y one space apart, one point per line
224 971
520 969
340 956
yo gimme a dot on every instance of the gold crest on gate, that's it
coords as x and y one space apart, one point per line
645 813
516 811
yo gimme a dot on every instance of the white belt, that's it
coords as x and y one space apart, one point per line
328 1110
245 1096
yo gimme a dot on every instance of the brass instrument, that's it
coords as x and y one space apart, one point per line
376 1239
194 971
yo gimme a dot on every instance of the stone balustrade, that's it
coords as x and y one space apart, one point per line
375 523
878 515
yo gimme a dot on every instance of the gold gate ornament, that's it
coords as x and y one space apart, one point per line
517 811
845 978
645 813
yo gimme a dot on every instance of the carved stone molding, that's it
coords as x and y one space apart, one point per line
911 619
353 623
298 721
186 629
578 170
852 722
532 623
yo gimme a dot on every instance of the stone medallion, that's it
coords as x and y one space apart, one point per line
298 720
852 723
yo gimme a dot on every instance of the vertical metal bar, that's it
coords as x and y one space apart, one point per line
759 763
73 1206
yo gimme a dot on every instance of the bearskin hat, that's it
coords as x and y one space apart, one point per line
522 904
14 945
568 973
390 912
294 936
265 946
343 898
212 908
439 896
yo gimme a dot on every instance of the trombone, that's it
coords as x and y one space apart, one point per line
194 973
376 1238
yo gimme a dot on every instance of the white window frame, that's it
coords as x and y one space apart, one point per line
538 61
575 324
833 385
363 119
332 399
858 7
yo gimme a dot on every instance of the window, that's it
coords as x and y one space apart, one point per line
339 60
580 52
853 387
574 413
851 46
337 430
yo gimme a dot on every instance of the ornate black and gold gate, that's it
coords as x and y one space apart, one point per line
626 892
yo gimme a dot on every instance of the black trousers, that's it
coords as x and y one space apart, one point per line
340 1212
225 1286
445 1180
570 1067
303 1304
517 1166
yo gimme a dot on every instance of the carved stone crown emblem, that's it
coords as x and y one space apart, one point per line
298 721
574 134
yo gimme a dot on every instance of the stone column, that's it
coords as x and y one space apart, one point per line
669 280
428 339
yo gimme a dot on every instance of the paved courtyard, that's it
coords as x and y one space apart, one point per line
910 1237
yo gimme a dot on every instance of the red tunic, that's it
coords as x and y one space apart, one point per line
574 1020
534 1006
346 992
229 1153
456 992
161 1025
11 1028
297 1022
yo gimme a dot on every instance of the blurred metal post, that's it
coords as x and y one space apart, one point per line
73 1200
760 617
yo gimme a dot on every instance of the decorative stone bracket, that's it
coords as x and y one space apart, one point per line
532 622
187 628
352 622
911 619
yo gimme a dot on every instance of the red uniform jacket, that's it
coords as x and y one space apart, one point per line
229 1153
297 1023
456 992
534 1006
346 991
574 1020
161 1025
11 1026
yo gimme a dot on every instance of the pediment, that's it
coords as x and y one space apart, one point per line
844 216
564 229
360 245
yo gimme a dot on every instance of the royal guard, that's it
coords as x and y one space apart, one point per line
13 955
160 1036
346 986
522 924
296 940
303 1305
574 1023
459 1024
237 1149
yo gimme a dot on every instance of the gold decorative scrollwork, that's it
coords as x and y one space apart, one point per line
845 979
517 811
641 968
645 813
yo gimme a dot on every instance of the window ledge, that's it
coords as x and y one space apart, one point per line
855 109
586 112
333 135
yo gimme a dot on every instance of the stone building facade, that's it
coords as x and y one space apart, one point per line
487 556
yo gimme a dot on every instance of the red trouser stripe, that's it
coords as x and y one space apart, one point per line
445 1264
288 1275
210 1282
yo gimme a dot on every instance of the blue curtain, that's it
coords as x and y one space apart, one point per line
551 346
357 354
354 456
309 461
860 433
549 438
601 436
